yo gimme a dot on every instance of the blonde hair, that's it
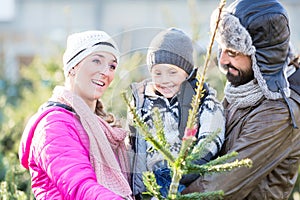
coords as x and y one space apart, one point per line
108 117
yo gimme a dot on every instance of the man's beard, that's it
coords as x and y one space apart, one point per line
244 76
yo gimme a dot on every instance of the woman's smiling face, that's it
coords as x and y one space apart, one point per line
167 79
93 75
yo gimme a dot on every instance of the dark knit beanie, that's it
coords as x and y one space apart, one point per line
171 46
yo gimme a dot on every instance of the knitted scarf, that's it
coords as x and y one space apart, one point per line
107 148
243 95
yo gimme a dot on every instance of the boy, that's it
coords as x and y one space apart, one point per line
171 88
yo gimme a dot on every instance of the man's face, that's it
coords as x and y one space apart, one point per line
236 66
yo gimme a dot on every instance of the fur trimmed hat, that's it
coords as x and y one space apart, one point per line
82 44
259 29
171 46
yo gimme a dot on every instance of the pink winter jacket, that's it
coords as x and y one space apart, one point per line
55 149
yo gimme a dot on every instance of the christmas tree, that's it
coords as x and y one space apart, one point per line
183 163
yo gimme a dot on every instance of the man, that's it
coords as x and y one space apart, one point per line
262 102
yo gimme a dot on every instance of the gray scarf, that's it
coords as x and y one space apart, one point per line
243 95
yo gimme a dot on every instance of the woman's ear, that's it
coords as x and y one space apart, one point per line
72 72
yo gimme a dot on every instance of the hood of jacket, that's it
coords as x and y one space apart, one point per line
261 30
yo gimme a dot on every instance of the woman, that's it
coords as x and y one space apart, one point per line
69 147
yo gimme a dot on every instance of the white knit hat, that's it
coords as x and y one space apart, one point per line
82 44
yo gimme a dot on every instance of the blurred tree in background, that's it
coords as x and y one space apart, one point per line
34 88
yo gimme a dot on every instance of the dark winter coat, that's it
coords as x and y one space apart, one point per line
264 134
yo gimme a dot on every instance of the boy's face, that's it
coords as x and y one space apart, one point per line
167 79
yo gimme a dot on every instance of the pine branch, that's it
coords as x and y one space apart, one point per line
216 195
199 91
224 158
176 177
159 127
200 150
151 185
208 168
144 129
190 167
230 166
